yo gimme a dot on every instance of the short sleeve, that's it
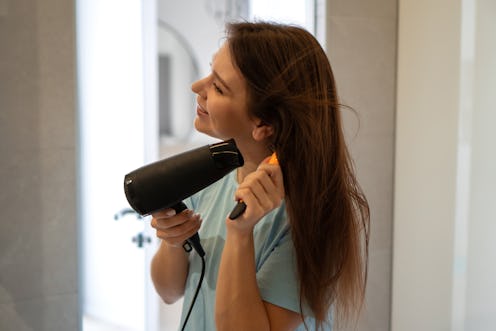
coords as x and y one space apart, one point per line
276 278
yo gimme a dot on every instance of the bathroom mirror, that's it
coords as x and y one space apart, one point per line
177 69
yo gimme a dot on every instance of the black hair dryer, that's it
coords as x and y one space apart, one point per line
165 183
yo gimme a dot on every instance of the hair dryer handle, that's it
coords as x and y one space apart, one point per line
194 240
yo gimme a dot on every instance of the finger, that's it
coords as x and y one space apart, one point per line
256 185
258 203
180 233
275 174
184 228
172 221
253 207
262 186
165 213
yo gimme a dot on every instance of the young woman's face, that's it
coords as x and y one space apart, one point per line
221 96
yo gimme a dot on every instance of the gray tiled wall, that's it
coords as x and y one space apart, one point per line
361 43
38 227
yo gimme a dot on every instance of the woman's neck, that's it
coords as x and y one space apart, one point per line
253 156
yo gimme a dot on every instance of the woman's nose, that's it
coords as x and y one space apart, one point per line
198 87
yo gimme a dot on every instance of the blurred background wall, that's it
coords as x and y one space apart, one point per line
38 223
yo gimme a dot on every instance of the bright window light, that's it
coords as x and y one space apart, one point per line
299 12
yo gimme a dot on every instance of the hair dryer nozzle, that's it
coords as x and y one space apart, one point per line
226 154
165 183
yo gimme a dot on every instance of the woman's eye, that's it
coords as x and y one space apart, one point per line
217 88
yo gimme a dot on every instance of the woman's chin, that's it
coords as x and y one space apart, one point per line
202 128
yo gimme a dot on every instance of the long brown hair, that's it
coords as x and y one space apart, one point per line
291 87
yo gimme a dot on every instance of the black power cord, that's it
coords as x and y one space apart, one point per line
192 242
196 293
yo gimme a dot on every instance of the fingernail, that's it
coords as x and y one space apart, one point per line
170 212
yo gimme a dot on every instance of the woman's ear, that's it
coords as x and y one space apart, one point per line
262 131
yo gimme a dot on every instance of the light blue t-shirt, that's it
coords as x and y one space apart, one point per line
274 256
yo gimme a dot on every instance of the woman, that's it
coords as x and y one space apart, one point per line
297 257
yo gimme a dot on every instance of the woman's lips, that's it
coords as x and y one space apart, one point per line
200 110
